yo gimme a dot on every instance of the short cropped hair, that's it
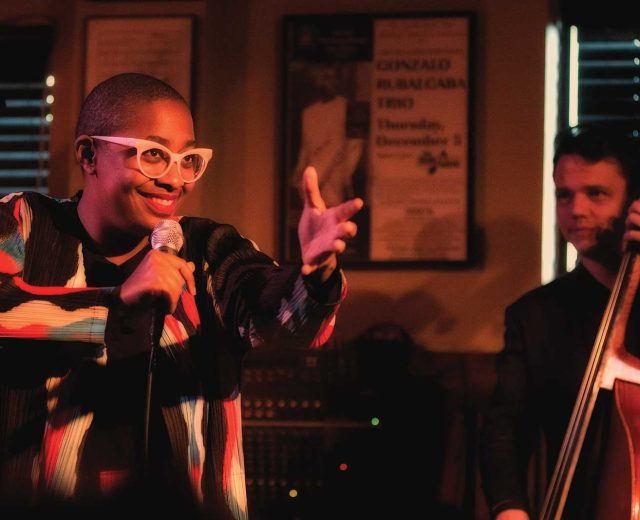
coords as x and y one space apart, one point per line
595 142
110 104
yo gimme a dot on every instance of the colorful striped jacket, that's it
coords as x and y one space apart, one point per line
54 330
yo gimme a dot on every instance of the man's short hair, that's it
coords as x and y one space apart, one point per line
595 142
109 105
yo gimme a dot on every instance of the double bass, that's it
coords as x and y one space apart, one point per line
610 367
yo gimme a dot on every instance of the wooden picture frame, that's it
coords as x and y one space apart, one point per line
161 46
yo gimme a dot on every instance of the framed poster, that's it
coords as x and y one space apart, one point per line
380 105
161 46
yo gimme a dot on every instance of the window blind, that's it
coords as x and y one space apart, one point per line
26 96
609 77
607 84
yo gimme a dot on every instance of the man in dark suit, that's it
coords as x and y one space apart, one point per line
550 331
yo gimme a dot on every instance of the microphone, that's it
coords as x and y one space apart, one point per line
167 237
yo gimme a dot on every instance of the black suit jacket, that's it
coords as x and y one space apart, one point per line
549 335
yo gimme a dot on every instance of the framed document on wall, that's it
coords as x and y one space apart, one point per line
161 46
381 105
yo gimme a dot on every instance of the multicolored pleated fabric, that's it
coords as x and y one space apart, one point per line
54 329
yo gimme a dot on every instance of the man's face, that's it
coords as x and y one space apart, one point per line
326 80
129 202
590 202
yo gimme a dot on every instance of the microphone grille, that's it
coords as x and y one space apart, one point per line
167 234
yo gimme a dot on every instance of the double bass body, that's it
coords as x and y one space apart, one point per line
611 367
